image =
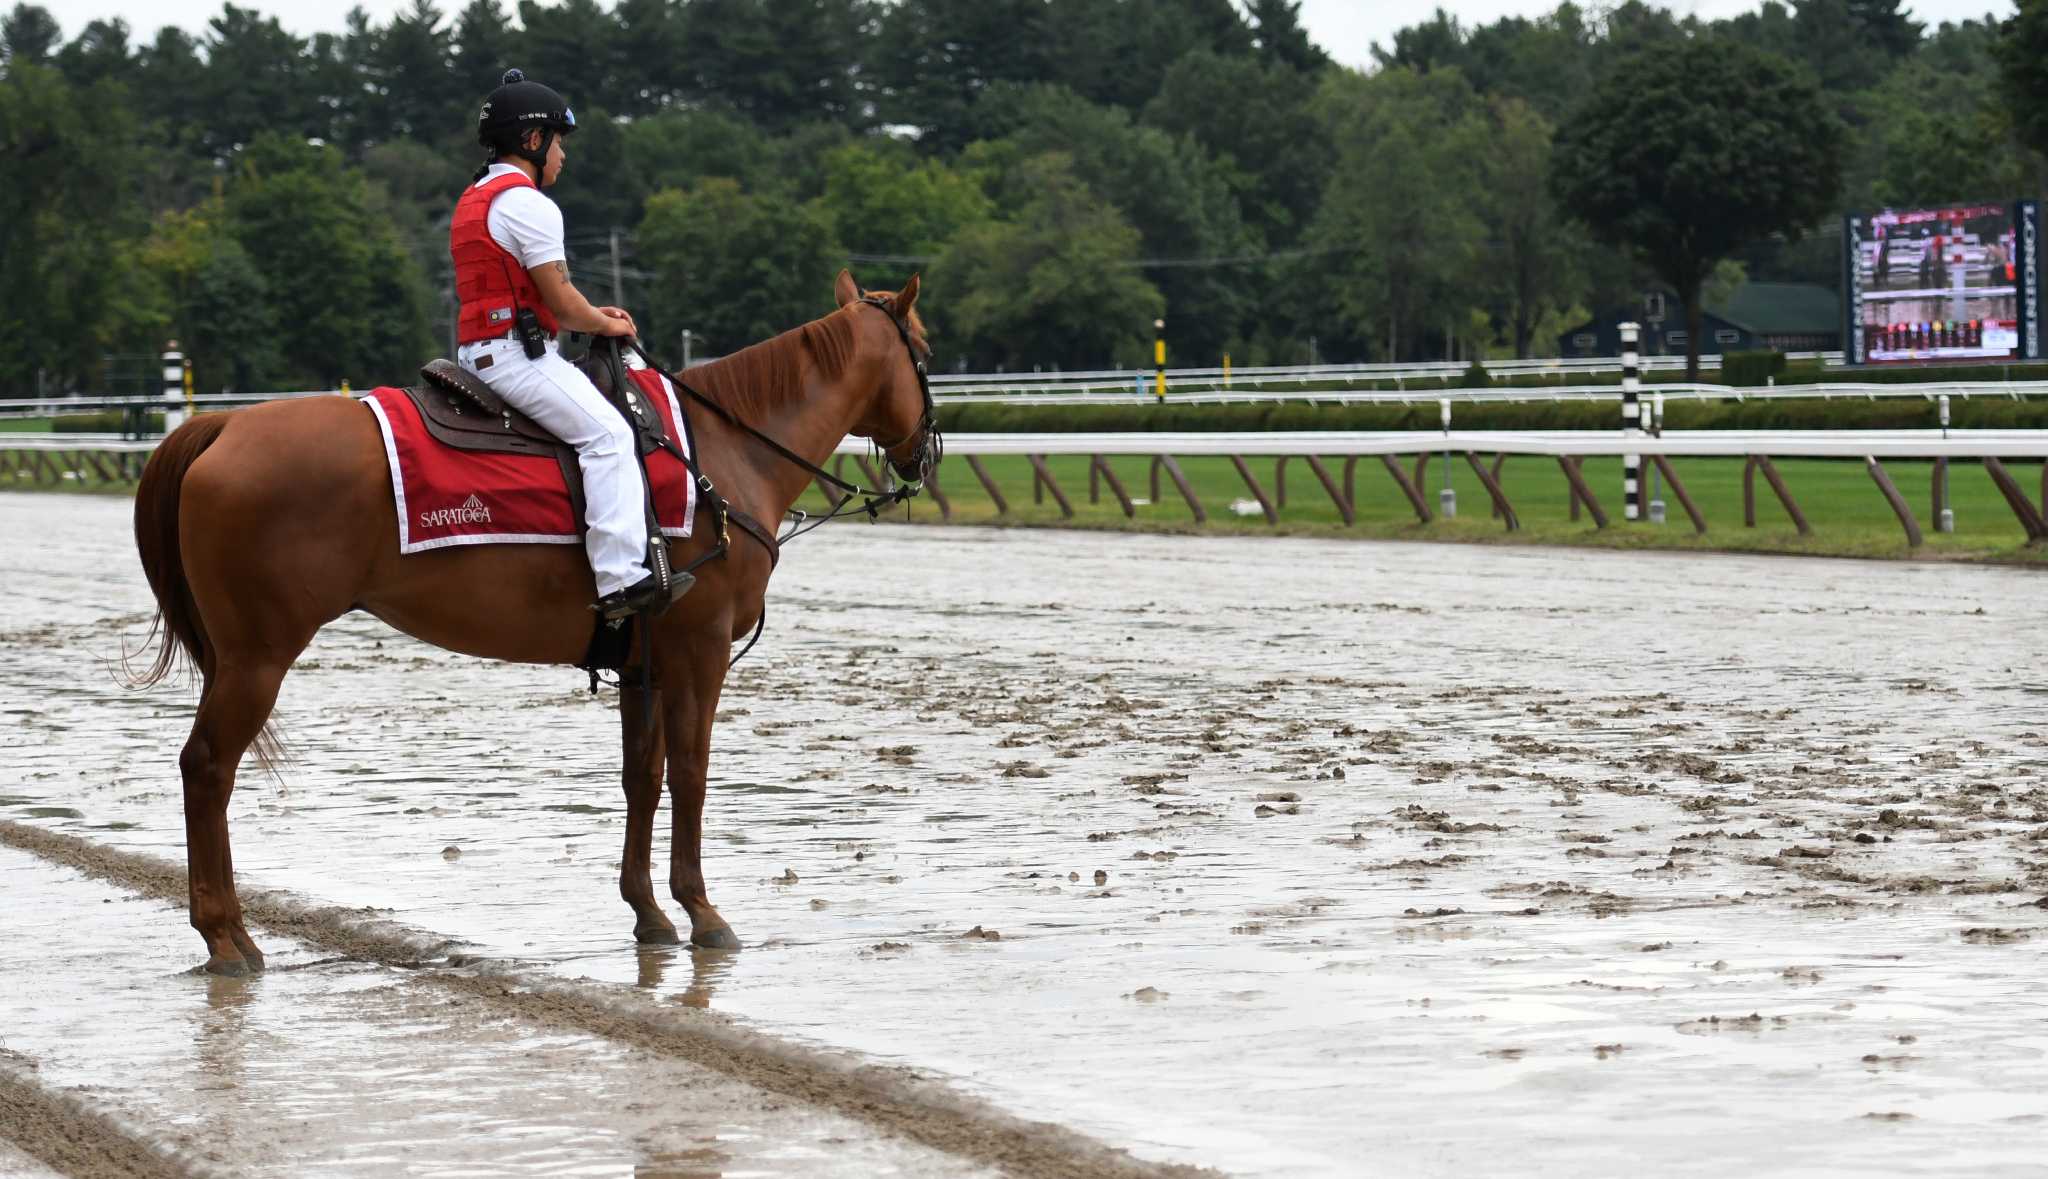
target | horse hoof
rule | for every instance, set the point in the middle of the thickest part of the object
(659, 935)
(720, 938)
(228, 967)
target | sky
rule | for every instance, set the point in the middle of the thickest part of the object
(1345, 28)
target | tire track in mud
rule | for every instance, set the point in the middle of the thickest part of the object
(894, 1100)
(61, 1131)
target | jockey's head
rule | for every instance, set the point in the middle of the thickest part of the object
(526, 121)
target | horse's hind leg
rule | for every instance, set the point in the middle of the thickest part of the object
(235, 704)
(644, 755)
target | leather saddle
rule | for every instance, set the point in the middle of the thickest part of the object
(462, 413)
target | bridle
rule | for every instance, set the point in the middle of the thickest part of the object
(919, 465)
(911, 471)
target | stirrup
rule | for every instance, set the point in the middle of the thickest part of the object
(645, 596)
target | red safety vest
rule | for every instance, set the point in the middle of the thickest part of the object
(490, 283)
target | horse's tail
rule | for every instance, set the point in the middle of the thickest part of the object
(176, 625)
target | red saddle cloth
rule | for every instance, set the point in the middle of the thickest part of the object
(450, 497)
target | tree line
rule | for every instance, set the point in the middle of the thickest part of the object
(1062, 171)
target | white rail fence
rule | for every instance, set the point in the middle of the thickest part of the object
(1319, 383)
(1568, 448)
(46, 459)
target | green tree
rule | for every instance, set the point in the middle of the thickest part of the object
(347, 297)
(1546, 62)
(1939, 128)
(1279, 35)
(1399, 232)
(1687, 150)
(1179, 198)
(734, 267)
(1055, 285)
(218, 304)
(576, 47)
(678, 148)
(652, 73)
(100, 53)
(484, 47)
(254, 82)
(933, 59)
(29, 35)
(780, 63)
(1116, 52)
(884, 201)
(408, 89)
(64, 222)
(1850, 44)
(1427, 45)
(1257, 117)
(2022, 54)
(1529, 269)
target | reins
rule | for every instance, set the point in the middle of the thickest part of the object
(924, 459)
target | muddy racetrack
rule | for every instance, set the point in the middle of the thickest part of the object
(1274, 856)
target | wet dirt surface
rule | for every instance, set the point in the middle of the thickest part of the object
(1273, 856)
(357, 1068)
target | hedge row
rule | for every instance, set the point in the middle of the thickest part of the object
(1892, 413)
(111, 421)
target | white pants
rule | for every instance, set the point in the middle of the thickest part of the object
(555, 394)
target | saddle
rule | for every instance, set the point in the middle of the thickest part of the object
(462, 413)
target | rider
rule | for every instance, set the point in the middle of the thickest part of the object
(512, 279)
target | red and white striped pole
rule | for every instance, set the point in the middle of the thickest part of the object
(1631, 422)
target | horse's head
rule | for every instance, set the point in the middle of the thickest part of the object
(900, 419)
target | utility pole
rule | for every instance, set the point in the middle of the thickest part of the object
(618, 275)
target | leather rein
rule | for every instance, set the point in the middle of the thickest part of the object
(913, 470)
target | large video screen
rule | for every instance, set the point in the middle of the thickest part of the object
(1940, 286)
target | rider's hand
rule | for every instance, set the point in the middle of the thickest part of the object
(617, 322)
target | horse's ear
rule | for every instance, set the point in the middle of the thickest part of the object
(907, 298)
(846, 290)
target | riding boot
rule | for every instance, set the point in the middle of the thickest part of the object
(645, 595)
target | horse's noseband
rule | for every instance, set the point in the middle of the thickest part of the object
(922, 461)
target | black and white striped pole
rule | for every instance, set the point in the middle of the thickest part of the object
(174, 387)
(1631, 424)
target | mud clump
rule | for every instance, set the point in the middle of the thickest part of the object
(1988, 936)
(1149, 995)
(983, 935)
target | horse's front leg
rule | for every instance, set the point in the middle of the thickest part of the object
(694, 684)
(640, 716)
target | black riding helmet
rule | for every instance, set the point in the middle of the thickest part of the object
(516, 107)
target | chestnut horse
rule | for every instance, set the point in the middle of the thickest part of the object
(259, 526)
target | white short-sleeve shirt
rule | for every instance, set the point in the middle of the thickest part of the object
(525, 222)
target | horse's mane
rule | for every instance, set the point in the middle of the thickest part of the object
(757, 381)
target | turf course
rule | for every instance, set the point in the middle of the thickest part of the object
(1848, 514)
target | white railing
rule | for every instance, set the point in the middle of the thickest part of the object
(1580, 443)
(1731, 443)
(1187, 383)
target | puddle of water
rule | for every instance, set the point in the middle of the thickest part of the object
(1493, 863)
(353, 1069)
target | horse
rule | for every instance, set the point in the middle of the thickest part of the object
(258, 526)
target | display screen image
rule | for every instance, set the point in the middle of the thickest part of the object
(1938, 285)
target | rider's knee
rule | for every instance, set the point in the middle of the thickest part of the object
(615, 439)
